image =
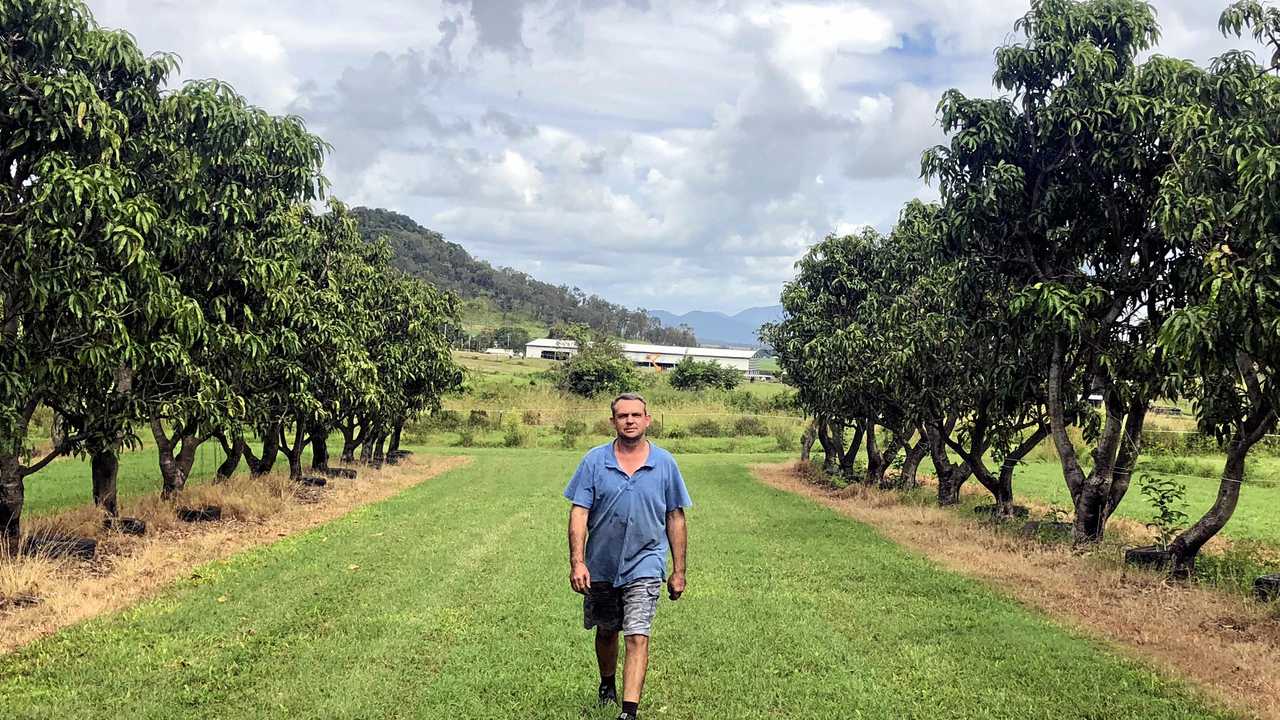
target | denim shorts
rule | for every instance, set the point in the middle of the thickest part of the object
(629, 608)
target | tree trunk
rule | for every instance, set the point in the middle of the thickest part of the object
(259, 466)
(911, 464)
(1127, 456)
(234, 451)
(830, 450)
(379, 455)
(293, 450)
(175, 468)
(1187, 545)
(11, 497)
(394, 445)
(878, 462)
(351, 439)
(12, 475)
(105, 468)
(807, 439)
(950, 477)
(1119, 443)
(1072, 474)
(849, 456)
(319, 448)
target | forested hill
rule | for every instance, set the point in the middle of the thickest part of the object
(448, 265)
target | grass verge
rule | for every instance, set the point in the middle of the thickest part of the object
(41, 595)
(451, 600)
(1222, 642)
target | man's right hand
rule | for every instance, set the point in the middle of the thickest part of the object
(580, 578)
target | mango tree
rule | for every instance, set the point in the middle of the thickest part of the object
(75, 272)
(233, 176)
(1221, 204)
(1054, 187)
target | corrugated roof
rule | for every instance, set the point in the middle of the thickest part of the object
(556, 344)
(690, 351)
(652, 349)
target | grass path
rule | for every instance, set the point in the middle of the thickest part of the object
(451, 601)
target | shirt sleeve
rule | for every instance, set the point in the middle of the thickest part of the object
(581, 489)
(677, 494)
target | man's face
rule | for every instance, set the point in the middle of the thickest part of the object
(630, 419)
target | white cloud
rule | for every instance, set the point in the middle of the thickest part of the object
(672, 154)
(807, 38)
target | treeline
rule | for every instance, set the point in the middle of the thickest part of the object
(163, 263)
(1107, 228)
(426, 254)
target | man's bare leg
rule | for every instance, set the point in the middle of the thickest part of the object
(607, 652)
(607, 659)
(633, 670)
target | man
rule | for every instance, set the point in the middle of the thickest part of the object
(628, 506)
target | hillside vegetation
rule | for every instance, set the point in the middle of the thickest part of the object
(447, 265)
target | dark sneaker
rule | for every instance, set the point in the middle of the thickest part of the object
(626, 716)
(607, 695)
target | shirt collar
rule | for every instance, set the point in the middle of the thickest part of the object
(611, 460)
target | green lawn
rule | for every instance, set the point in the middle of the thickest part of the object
(1255, 517)
(451, 601)
(66, 482)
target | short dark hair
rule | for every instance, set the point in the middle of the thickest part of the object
(613, 406)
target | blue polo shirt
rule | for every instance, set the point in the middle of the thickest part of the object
(627, 525)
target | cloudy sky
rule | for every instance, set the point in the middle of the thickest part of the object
(669, 154)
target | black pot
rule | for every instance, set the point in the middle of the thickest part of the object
(313, 481)
(208, 513)
(1150, 557)
(127, 525)
(59, 546)
(1267, 588)
(1019, 511)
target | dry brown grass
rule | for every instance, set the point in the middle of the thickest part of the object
(1226, 644)
(39, 595)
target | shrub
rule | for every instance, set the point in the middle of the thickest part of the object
(749, 425)
(531, 417)
(478, 418)
(571, 430)
(744, 401)
(706, 427)
(603, 426)
(784, 402)
(785, 439)
(676, 433)
(690, 374)
(515, 436)
(1165, 496)
(444, 420)
(598, 369)
(655, 429)
(467, 438)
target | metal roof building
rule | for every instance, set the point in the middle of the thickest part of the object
(655, 356)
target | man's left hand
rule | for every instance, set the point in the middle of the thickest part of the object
(675, 585)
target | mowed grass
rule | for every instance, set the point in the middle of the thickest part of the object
(451, 601)
(66, 482)
(1254, 519)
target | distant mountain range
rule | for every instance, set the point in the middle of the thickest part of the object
(717, 328)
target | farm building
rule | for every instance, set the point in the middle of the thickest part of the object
(654, 356)
(549, 349)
